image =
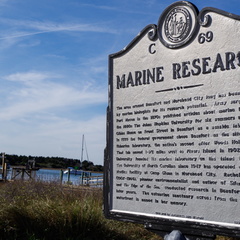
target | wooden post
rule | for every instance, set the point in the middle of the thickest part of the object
(22, 176)
(3, 165)
(68, 176)
(5, 172)
(61, 176)
(82, 176)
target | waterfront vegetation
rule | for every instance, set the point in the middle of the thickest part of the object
(52, 162)
(36, 210)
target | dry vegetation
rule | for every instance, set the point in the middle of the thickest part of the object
(41, 211)
(36, 210)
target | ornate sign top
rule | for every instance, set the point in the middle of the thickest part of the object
(177, 24)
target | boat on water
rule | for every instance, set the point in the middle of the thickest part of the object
(71, 170)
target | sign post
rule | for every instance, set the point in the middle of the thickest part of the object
(173, 134)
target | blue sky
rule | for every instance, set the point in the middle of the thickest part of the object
(54, 69)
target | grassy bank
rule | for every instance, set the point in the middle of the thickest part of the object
(36, 210)
(40, 211)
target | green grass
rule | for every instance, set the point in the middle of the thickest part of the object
(36, 210)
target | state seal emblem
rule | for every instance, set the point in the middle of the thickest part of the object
(177, 24)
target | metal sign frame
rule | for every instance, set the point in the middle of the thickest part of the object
(191, 228)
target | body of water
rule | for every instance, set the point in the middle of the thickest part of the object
(51, 175)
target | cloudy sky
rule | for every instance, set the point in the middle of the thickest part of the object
(54, 69)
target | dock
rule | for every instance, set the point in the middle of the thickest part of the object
(27, 172)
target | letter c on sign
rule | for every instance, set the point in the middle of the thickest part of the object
(152, 51)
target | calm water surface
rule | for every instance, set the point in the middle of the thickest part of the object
(48, 175)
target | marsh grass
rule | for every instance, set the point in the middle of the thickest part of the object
(36, 210)
(42, 211)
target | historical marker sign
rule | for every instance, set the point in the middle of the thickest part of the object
(173, 151)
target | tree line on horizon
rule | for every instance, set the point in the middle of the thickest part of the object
(52, 162)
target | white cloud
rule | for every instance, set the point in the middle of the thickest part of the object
(53, 136)
(33, 125)
(104, 7)
(24, 28)
(39, 93)
(28, 77)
